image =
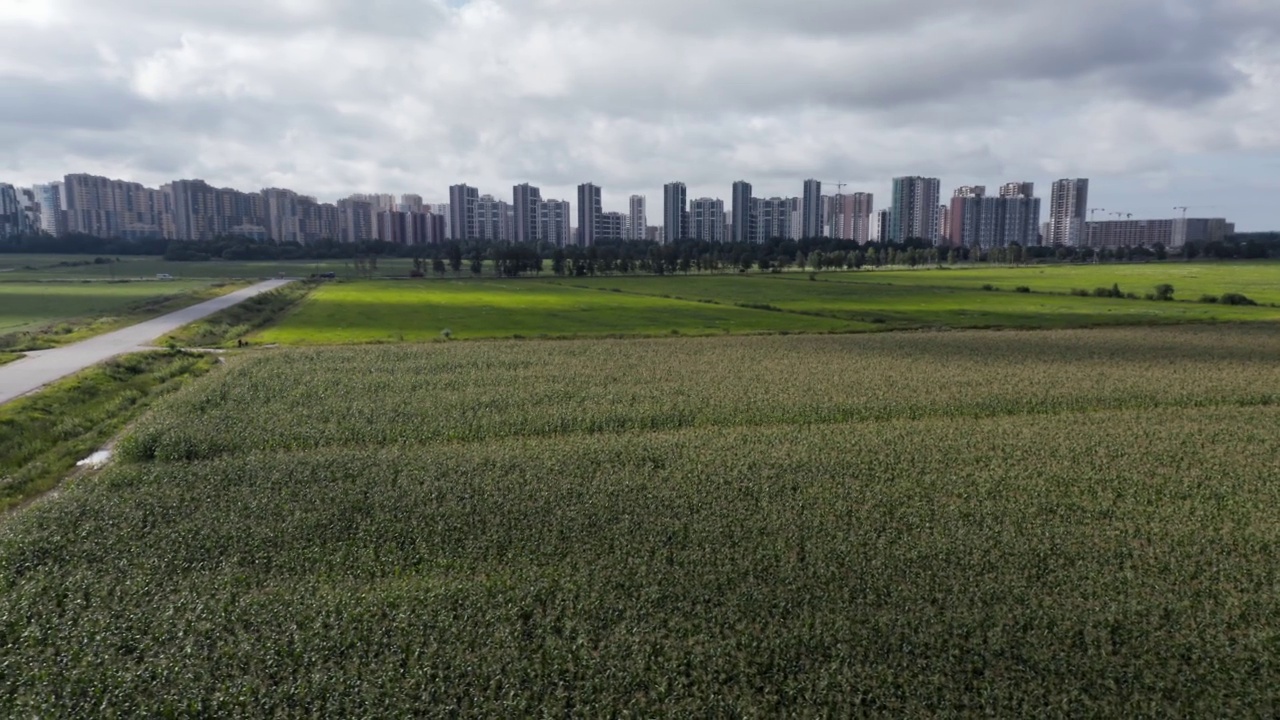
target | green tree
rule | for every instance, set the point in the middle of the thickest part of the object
(1164, 292)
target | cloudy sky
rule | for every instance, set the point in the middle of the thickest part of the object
(1159, 102)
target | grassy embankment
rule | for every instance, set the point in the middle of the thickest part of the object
(35, 316)
(385, 311)
(43, 435)
(912, 524)
(224, 327)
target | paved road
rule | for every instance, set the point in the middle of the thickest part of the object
(41, 368)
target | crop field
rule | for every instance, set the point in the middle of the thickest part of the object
(1011, 524)
(1258, 280)
(866, 297)
(27, 306)
(387, 311)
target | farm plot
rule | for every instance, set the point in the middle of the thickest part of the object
(363, 312)
(924, 299)
(30, 306)
(910, 524)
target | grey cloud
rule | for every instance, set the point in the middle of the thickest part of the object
(36, 107)
(335, 96)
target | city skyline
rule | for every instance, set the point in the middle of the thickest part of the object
(195, 210)
(328, 98)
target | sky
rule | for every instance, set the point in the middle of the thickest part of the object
(1161, 103)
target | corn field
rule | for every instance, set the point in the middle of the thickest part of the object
(1021, 524)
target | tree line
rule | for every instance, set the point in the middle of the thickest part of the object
(626, 257)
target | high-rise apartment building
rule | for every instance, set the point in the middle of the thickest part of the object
(464, 216)
(811, 220)
(979, 221)
(913, 214)
(282, 215)
(411, 203)
(52, 217)
(795, 231)
(850, 217)
(745, 221)
(1018, 189)
(525, 201)
(197, 212)
(884, 218)
(13, 219)
(590, 208)
(555, 220)
(637, 218)
(113, 208)
(675, 213)
(1068, 211)
(611, 226)
(706, 220)
(355, 220)
(495, 218)
(774, 219)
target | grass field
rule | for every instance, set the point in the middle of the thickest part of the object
(1259, 280)
(80, 267)
(1018, 525)
(388, 311)
(46, 314)
(43, 435)
(29, 306)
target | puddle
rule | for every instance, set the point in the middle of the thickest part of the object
(96, 460)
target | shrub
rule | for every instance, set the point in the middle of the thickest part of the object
(1236, 299)
(1209, 299)
(1164, 292)
(1022, 289)
(1078, 292)
(989, 287)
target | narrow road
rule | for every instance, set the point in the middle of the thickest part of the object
(45, 366)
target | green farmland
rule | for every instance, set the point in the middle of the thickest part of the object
(1259, 280)
(1072, 522)
(29, 306)
(387, 311)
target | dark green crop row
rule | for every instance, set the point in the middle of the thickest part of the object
(1012, 525)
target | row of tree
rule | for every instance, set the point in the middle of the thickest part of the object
(511, 259)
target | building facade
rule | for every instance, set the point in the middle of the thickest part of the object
(707, 220)
(1068, 211)
(745, 220)
(637, 218)
(913, 214)
(526, 201)
(13, 219)
(811, 210)
(675, 213)
(979, 221)
(590, 208)
(464, 213)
